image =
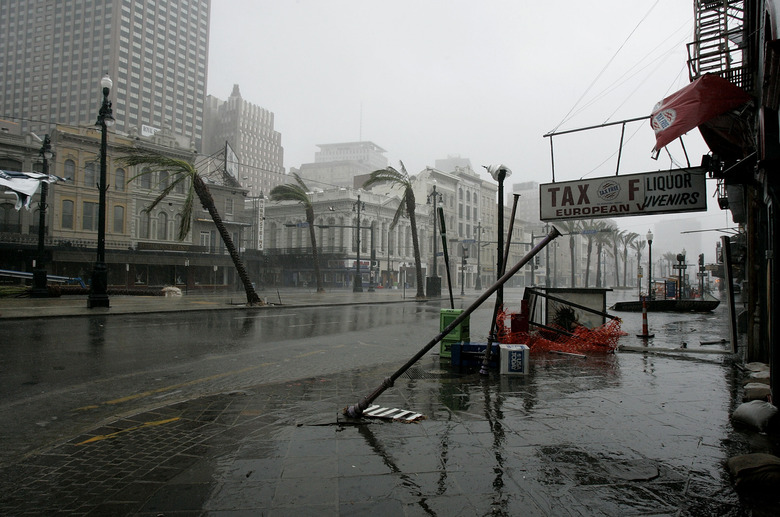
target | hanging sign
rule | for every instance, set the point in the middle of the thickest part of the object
(651, 193)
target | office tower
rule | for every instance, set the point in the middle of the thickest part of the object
(249, 129)
(54, 53)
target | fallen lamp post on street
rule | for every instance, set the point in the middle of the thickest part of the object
(357, 410)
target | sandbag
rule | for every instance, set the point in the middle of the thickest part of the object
(756, 391)
(759, 473)
(755, 413)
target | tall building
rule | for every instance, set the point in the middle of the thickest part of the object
(249, 129)
(54, 53)
(342, 165)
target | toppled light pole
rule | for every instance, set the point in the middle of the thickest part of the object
(356, 410)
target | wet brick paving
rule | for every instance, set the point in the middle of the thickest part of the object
(625, 434)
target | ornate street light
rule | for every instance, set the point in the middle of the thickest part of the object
(39, 288)
(649, 237)
(98, 289)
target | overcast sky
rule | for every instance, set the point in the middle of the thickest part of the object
(485, 80)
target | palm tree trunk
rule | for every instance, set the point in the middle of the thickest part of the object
(587, 263)
(598, 264)
(208, 203)
(616, 252)
(571, 249)
(315, 253)
(415, 245)
(625, 267)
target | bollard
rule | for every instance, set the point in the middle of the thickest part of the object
(644, 333)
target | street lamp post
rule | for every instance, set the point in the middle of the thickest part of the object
(98, 289)
(649, 237)
(478, 281)
(39, 289)
(357, 286)
(434, 285)
(464, 256)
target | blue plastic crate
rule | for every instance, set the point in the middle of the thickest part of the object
(472, 354)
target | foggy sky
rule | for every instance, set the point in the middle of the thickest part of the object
(481, 80)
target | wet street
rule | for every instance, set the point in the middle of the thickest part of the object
(622, 434)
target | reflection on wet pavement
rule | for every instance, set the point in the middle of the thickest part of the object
(624, 434)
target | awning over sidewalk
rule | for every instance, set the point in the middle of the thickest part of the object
(703, 99)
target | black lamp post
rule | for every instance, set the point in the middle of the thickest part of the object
(39, 289)
(357, 287)
(650, 294)
(98, 289)
(434, 285)
(464, 256)
(478, 281)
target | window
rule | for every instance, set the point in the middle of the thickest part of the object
(89, 217)
(205, 239)
(89, 175)
(119, 176)
(6, 211)
(163, 180)
(146, 178)
(143, 225)
(229, 206)
(67, 213)
(119, 219)
(162, 226)
(70, 169)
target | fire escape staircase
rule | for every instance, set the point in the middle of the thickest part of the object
(719, 47)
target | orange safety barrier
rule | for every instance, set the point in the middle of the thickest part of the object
(580, 340)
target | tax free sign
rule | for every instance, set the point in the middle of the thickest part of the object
(651, 193)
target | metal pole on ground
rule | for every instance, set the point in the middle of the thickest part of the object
(356, 410)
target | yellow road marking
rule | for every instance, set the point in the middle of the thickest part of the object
(124, 431)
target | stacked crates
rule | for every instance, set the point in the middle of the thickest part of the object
(458, 335)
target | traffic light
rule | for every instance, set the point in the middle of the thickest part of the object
(536, 262)
(701, 261)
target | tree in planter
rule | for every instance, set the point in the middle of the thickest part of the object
(181, 172)
(400, 179)
(299, 192)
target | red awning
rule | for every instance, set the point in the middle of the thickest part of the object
(706, 97)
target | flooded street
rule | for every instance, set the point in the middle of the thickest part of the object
(619, 434)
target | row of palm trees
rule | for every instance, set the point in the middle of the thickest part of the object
(600, 234)
(606, 238)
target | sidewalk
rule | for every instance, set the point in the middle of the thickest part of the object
(26, 307)
(625, 434)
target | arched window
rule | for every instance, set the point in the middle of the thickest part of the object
(119, 179)
(70, 169)
(162, 226)
(176, 225)
(89, 175)
(146, 178)
(119, 219)
(163, 180)
(67, 213)
(143, 225)
(179, 188)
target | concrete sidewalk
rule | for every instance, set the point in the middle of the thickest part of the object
(70, 305)
(624, 434)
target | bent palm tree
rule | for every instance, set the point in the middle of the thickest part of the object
(180, 171)
(299, 192)
(407, 205)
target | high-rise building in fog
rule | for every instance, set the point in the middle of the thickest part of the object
(54, 53)
(249, 129)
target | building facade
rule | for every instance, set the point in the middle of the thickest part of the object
(53, 55)
(249, 130)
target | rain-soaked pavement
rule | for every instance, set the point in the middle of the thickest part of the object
(622, 434)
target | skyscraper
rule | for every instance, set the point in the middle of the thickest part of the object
(54, 53)
(249, 129)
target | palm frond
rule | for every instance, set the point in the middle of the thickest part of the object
(290, 192)
(300, 182)
(186, 215)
